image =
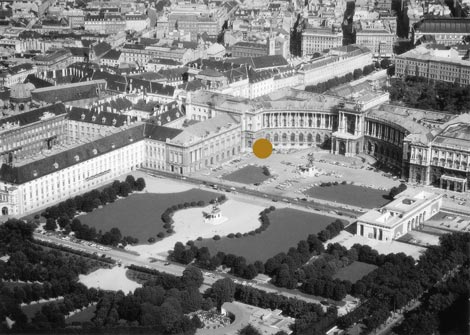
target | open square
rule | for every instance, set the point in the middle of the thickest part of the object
(250, 174)
(287, 228)
(350, 194)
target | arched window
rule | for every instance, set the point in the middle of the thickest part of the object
(276, 138)
(301, 137)
(309, 138)
(284, 138)
(292, 137)
(318, 138)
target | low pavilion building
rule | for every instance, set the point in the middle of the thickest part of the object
(408, 211)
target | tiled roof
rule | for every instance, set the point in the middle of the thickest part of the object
(193, 85)
(262, 61)
(112, 54)
(120, 104)
(173, 113)
(33, 115)
(37, 82)
(115, 82)
(70, 92)
(259, 76)
(92, 116)
(35, 169)
(199, 130)
(185, 45)
(20, 67)
(160, 133)
(212, 64)
(79, 52)
(152, 76)
(173, 73)
(444, 25)
(101, 48)
(152, 87)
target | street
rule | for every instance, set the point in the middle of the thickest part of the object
(126, 259)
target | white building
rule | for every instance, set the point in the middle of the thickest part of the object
(408, 211)
(339, 62)
(137, 21)
(60, 173)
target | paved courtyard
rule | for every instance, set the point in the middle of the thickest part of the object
(288, 182)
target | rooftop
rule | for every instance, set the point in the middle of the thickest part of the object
(455, 135)
(399, 210)
(200, 130)
(425, 54)
(65, 156)
(69, 92)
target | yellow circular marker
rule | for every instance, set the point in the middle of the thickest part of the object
(262, 148)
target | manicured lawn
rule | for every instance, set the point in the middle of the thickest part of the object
(31, 310)
(350, 194)
(83, 316)
(139, 215)
(249, 174)
(287, 228)
(355, 271)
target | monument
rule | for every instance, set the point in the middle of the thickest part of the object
(309, 170)
(215, 216)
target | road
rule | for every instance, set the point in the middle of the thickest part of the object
(126, 259)
(319, 206)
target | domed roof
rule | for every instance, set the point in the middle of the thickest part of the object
(21, 91)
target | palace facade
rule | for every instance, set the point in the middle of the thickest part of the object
(76, 151)
(426, 147)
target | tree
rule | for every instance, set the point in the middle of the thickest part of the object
(131, 181)
(50, 225)
(357, 74)
(140, 184)
(249, 330)
(124, 189)
(67, 229)
(76, 224)
(223, 290)
(112, 194)
(192, 277)
(385, 63)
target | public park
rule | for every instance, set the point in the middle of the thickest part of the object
(139, 215)
(287, 227)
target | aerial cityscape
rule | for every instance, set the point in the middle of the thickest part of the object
(235, 167)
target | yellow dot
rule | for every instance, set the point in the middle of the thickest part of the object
(262, 148)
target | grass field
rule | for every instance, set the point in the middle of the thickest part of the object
(249, 174)
(350, 194)
(287, 228)
(31, 309)
(86, 315)
(139, 215)
(354, 272)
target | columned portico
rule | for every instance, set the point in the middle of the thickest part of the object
(348, 140)
(452, 183)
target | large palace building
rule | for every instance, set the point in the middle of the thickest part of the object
(428, 148)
